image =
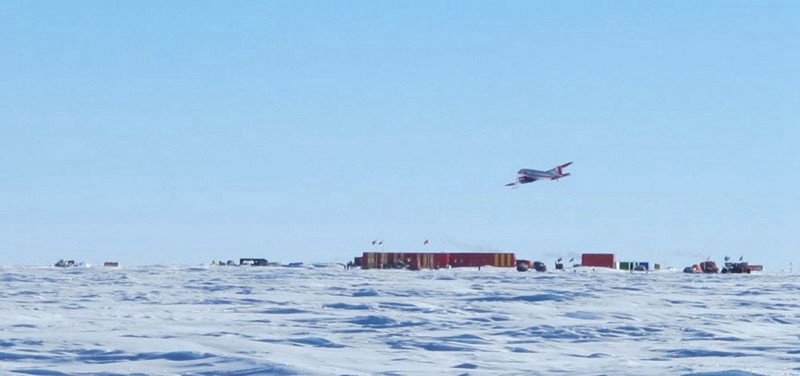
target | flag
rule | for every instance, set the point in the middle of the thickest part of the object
(374, 241)
(380, 242)
(425, 242)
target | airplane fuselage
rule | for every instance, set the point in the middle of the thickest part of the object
(536, 174)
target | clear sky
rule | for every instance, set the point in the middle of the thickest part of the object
(177, 132)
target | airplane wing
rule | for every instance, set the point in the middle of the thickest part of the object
(521, 180)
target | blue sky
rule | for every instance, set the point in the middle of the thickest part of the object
(155, 132)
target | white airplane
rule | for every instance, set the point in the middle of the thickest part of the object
(529, 176)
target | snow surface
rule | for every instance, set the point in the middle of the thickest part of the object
(331, 321)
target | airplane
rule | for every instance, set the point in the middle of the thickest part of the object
(529, 176)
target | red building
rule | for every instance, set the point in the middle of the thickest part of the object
(482, 259)
(600, 260)
(414, 260)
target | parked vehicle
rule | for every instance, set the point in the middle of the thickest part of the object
(66, 263)
(703, 267)
(736, 268)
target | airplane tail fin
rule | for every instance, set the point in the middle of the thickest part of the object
(560, 169)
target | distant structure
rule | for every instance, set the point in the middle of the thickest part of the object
(427, 260)
(599, 260)
(253, 261)
(638, 266)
